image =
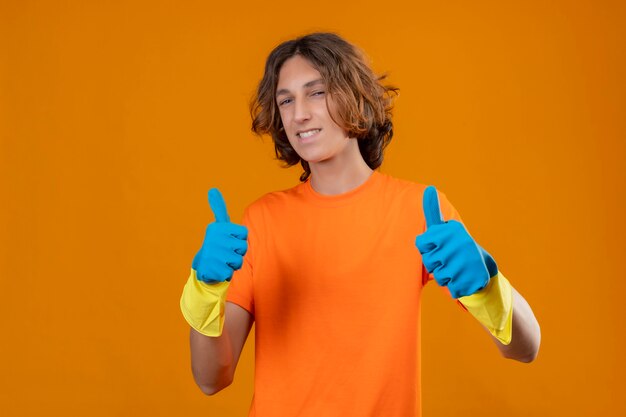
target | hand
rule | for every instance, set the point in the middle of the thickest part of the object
(224, 245)
(450, 253)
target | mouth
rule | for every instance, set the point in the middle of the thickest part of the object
(308, 134)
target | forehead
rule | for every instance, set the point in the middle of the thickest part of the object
(295, 73)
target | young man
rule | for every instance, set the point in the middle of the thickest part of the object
(332, 269)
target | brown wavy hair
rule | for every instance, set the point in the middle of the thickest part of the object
(363, 103)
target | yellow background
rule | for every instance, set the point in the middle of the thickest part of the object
(117, 117)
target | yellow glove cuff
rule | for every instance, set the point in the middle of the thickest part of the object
(493, 307)
(203, 305)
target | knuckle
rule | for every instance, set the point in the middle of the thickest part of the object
(224, 275)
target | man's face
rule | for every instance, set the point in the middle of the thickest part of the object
(301, 97)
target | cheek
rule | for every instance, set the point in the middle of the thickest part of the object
(284, 115)
(332, 109)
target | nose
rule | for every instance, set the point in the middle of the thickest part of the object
(301, 111)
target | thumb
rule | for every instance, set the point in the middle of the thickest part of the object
(430, 202)
(218, 206)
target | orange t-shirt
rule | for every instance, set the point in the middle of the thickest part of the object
(334, 284)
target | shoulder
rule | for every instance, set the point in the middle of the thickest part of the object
(400, 183)
(401, 188)
(412, 193)
(275, 200)
(403, 185)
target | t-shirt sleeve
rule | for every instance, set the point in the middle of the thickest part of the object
(241, 288)
(449, 213)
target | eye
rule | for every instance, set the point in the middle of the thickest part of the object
(285, 101)
(318, 93)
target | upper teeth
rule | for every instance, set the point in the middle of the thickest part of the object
(308, 133)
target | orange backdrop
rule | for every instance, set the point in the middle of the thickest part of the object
(117, 117)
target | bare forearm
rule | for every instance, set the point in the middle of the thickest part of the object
(526, 336)
(211, 361)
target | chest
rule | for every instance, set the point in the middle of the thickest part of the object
(343, 250)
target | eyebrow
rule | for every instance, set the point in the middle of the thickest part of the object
(307, 85)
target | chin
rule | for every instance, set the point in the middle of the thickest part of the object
(308, 157)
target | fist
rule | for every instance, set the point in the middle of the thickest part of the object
(450, 253)
(224, 245)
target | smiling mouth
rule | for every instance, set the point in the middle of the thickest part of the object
(308, 133)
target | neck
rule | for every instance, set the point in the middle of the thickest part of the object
(340, 174)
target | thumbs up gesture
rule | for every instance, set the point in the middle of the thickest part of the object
(450, 253)
(224, 245)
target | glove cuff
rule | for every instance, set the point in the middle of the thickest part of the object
(203, 305)
(493, 307)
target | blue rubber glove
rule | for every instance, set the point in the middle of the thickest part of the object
(224, 245)
(450, 253)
